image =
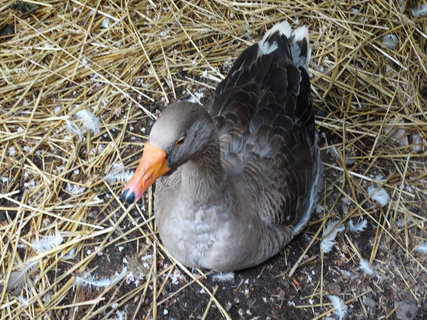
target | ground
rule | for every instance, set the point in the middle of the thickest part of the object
(80, 86)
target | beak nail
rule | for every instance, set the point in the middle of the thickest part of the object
(128, 196)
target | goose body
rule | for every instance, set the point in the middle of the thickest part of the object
(236, 181)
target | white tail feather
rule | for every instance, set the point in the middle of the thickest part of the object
(297, 37)
(265, 47)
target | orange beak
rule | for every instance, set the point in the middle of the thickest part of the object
(152, 166)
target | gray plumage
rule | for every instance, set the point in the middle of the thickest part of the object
(244, 180)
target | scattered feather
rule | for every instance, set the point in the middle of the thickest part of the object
(70, 254)
(358, 227)
(417, 143)
(339, 305)
(329, 234)
(91, 282)
(348, 274)
(12, 151)
(23, 301)
(401, 222)
(47, 243)
(422, 248)
(121, 315)
(101, 283)
(17, 278)
(334, 152)
(380, 178)
(105, 23)
(72, 128)
(118, 173)
(421, 11)
(130, 278)
(379, 195)
(226, 276)
(89, 120)
(176, 277)
(195, 97)
(406, 310)
(370, 303)
(398, 134)
(368, 268)
(74, 188)
(390, 41)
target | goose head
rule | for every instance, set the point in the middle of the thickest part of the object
(182, 131)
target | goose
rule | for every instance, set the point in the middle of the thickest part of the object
(238, 179)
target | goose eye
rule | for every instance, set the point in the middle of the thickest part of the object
(180, 141)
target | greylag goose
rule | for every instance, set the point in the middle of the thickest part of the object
(236, 181)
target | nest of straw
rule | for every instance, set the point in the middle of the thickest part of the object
(82, 82)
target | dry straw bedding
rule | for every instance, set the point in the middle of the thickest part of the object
(82, 81)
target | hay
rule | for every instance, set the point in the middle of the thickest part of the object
(123, 61)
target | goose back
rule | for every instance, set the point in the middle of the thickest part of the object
(265, 121)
